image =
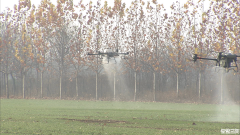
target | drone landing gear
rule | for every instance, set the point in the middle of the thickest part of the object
(114, 60)
(227, 69)
(108, 59)
(234, 68)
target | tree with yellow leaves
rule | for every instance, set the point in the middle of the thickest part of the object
(6, 47)
(23, 43)
(94, 40)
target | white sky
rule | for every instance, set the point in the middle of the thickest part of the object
(10, 3)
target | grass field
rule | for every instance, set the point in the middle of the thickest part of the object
(22, 116)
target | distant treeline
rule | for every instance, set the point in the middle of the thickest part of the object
(43, 51)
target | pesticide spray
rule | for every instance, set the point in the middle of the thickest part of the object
(113, 72)
(227, 110)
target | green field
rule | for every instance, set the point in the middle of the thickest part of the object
(22, 116)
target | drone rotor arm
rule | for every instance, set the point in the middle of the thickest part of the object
(217, 62)
(100, 53)
(124, 53)
(206, 58)
(92, 54)
(196, 57)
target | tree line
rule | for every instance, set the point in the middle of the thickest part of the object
(43, 50)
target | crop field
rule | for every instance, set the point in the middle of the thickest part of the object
(26, 116)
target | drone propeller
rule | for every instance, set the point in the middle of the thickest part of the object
(198, 55)
(203, 56)
(195, 55)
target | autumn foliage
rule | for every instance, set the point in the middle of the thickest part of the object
(53, 41)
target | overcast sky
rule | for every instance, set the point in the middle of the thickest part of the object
(10, 3)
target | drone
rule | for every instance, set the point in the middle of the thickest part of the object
(225, 60)
(109, 53)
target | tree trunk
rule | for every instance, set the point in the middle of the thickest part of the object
(135, 92)
(177, 86)
(154, 88)
(23, 84)
(96, 86)
(7, 91)
(36, 83)
(114, 86)
(197, 82)
(41, 84)
(199, 86)
(48, 87)
(60, 85)
(14, 84)
(77, 85)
